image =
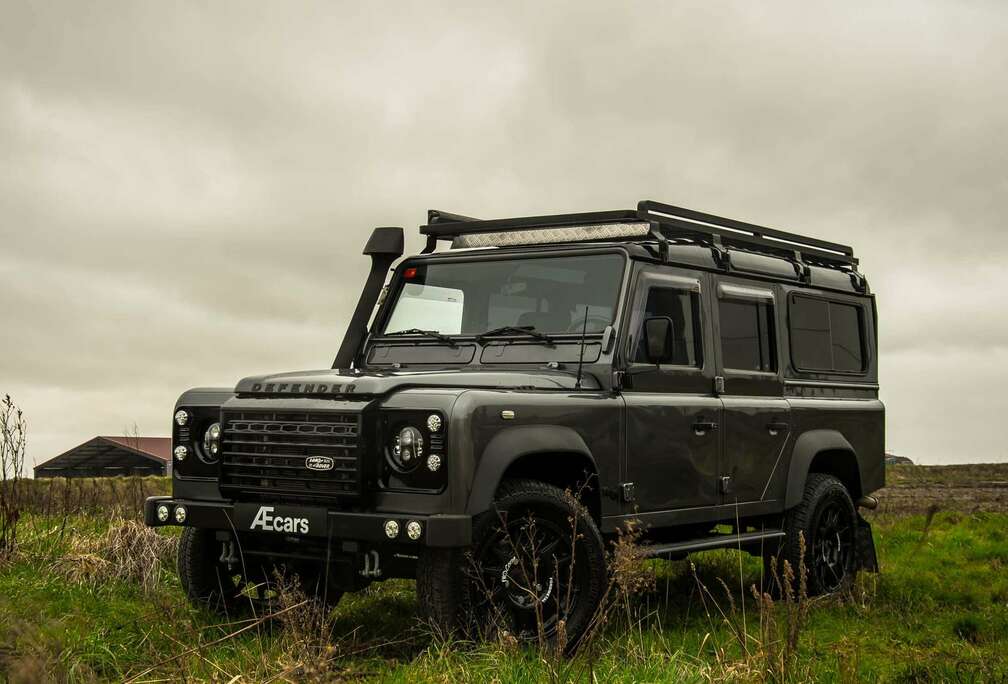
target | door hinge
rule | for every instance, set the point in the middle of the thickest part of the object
(627, 492)
(718, 384)
(724, 484)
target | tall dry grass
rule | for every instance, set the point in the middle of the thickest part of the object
(127, 551)
(13, 439)
(103, 496)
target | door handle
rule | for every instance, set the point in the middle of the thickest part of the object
(701, 427)
(774, 428)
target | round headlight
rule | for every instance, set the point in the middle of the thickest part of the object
(180, 515)
(211, 440)
(162, 513)
(181, 417)
(434, 422)
(407, 450)
(181, 452)
(433, 463)
(391, 529)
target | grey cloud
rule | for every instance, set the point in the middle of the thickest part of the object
(184, 188)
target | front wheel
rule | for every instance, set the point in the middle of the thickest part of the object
(827, 522)
(240, 586)
(536, 567)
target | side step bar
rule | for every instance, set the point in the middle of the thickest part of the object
(708, 543)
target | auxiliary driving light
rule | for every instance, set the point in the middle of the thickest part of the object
(181, 417)
(391, 529)
(433, 463)
(181, 452)
(180, 514)
(434, 422)
(162, 513)
(414, 529)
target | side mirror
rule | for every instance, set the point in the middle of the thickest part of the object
(658, 335)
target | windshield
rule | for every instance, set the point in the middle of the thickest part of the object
(548, 294)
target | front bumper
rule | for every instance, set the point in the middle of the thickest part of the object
(440, 530)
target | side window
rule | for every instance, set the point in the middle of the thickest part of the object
(810, 334)
(747, 335)
(683, 308)
(826, 336)
(845, 326)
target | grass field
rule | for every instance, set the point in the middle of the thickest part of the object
(90, 596)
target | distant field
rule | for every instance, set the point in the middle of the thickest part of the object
(964, 488)
(91, 597)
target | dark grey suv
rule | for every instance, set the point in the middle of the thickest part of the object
(514, 401)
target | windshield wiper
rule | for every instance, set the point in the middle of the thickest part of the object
(428, 333)
(515, 330)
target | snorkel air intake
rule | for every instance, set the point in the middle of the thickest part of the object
(384, 247)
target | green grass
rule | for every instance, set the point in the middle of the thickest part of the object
(938, 612)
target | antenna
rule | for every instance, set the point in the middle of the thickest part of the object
(584, 332)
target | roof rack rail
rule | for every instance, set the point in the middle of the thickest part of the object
(687, 222)
(652, 220)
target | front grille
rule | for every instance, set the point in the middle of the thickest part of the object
(264, 455)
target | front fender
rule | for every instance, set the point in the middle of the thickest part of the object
(510, 444)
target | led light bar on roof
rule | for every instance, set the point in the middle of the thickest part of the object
(543, 236)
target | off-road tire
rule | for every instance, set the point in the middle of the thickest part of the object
(444, 584)
(201, 574)
(822, 493)
(208, 584)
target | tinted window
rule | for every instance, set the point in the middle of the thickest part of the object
(810, 335)
(826, 336)
(845, 328)
(684, 310)
(747, 335)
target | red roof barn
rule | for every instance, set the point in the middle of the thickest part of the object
(109, 456)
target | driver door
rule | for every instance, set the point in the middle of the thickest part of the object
(673, 448)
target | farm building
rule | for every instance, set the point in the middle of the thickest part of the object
(893, 459)
(110, 456)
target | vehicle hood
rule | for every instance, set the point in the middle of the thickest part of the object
(331, 382)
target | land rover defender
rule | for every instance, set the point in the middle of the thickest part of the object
(516, 400)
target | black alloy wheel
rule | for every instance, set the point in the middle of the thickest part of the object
(832, 548)
(537, 560)
(524, 577)
(826, 520)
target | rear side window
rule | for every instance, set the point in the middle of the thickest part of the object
(846, 336)
(747, 335)
(826, 336)
(684, 309)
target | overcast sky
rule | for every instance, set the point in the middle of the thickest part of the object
(185, 187)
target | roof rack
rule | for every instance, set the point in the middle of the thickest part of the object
(651, 221)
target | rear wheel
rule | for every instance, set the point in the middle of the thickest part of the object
(537, 562)
(827, 521)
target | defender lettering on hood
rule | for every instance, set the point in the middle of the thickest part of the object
(301, 388)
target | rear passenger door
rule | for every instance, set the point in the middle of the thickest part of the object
(756, 425)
